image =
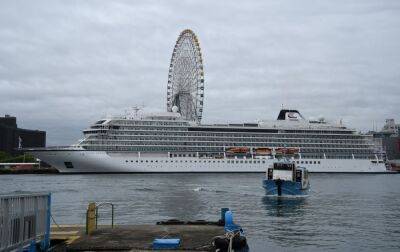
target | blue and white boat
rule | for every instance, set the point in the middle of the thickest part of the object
(284, 178)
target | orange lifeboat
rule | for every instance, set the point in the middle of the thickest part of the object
(287, 151)
(263, 151)
(237, 150)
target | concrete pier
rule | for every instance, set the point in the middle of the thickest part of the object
(135, 237)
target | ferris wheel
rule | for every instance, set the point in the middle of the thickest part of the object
(185, 89)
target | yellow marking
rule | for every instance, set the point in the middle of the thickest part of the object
(72, 239)
(64, 232)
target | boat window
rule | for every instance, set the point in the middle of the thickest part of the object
(126, 161)
(319, 162)
(315, 162)
(137, 161)
(302, 162)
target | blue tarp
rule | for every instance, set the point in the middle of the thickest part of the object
(166, 243)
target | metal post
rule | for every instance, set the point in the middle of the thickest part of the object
(46, 241)
(97, 215)
(112, 215)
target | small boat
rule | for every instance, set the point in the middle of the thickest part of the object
(284, 178)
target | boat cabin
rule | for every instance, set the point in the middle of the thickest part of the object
(288, 171)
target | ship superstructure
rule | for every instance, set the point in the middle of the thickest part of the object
(166, 143)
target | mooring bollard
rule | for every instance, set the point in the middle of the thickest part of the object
(91, 218)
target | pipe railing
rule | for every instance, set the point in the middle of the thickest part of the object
(24, 220)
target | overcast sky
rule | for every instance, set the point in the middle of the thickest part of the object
(65, 64)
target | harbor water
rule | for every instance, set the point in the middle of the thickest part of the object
(343, 212)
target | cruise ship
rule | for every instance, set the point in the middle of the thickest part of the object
(165, 142)
(177, 141)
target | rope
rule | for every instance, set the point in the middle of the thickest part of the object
(58, 226)
(230, 236)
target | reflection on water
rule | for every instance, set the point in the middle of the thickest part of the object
(284, 206)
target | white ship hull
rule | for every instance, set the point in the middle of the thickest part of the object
(80, 161)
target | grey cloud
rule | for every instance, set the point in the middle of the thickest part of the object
(65, 64)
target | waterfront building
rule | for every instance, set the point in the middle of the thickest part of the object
(13, 138)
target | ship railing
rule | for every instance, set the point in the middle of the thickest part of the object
(24, 220)
(70, 147)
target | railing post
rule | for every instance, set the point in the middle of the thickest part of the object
(112, 215)
(46, 241)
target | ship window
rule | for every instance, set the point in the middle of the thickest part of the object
(298, 162)
(126, 161)
(319, 162)
(263, 162)
(306, 162)
(68, 165)
(137, 161)
(141, 161)
(131, 160)
(315, 162)
(302, 162)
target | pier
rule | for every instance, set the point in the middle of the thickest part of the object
(134, 237)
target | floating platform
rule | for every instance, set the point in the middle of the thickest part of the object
(134, 237)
